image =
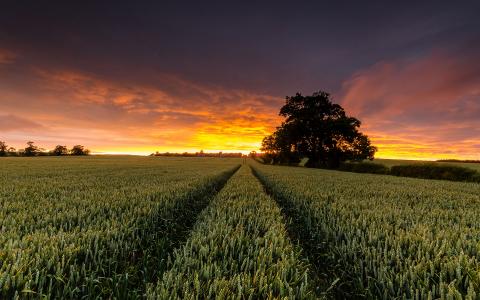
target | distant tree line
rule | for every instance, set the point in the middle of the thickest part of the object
(199, 154)
(32, 150)
(470, 161)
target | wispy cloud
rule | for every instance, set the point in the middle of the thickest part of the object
(112, 116)
(425, 108)
(11, 122)
(6, 56)
(428, 107)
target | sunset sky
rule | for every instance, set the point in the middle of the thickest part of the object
(190, 75)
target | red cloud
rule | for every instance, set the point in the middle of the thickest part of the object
(107, 115)
(430, 107)
(15, 123)
(6, 56)
(425, 108)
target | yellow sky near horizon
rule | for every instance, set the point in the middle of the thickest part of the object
(62, 106)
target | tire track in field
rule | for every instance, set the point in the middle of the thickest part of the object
(295, 230)
(152, 260)
(184, 219)
(238, 248)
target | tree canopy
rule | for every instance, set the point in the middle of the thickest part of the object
(60, 150)
(31, 149)
(3, 148)
(79, 150)
(318, 129)
(34, 150)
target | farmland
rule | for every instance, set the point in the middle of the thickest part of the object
(196, 228)
(238, 249)
(384, 237)
(96, 226)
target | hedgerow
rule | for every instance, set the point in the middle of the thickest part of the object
(364, 167)
(434, 171)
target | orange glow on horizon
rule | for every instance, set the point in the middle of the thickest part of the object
(109, 117)
(214, 143)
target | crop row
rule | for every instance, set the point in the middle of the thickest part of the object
(238, 249)
(384, 237)
(96, 227)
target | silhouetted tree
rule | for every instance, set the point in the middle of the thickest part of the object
(279, 148)
(31, 149)
(3, 148)
(79, 150)
(12, 151)
(316, 128)
(60, 150)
